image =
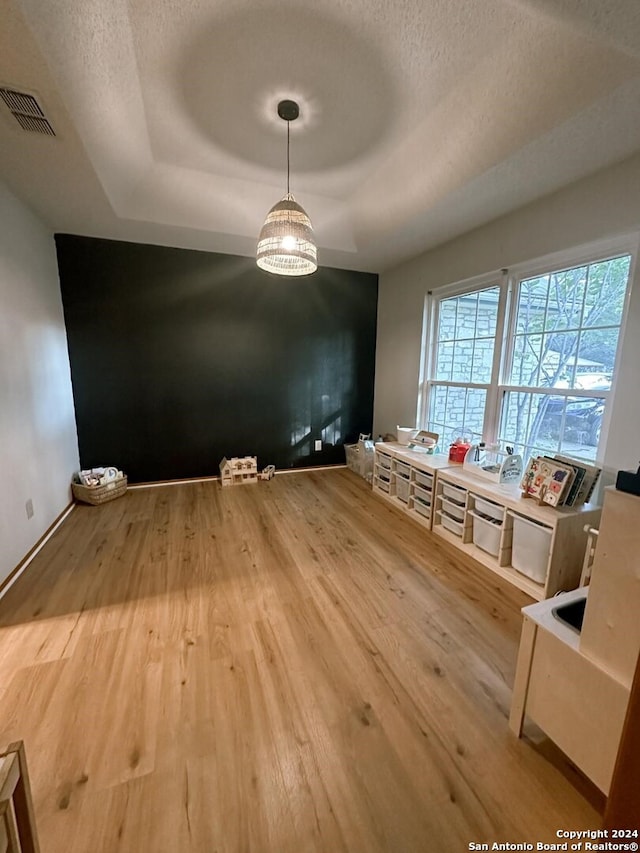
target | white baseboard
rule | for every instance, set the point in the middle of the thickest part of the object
(22, 565)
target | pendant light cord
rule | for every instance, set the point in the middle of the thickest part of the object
(288, 126)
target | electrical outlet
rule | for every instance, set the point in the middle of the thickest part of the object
(318, 444)
(29, 508)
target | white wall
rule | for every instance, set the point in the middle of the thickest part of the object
(38, 443)
(604, 205)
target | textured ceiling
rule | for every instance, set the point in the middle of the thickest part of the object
(419, 119)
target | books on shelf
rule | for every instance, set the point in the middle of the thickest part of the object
(547, 480)
(559, 480)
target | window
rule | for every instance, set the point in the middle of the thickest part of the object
(529, 361)
(463, 362)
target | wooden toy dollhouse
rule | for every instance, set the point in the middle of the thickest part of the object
(238, 470)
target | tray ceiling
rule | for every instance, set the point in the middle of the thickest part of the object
(420, 119)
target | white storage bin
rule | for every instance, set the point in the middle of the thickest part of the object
(530, 548)
(383, 474)
(423, 479)
(454, 494)
(403, 469)
(451, 524)
(453, 510)
(485, 507)
(486, 534)
(383, 460)
(384, 485)
(422, 508)
(423, 495)
(405, 434)
(402, 489)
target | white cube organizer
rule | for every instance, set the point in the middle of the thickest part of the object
(530, 548)
(540, 559)
(412, 476)
(486, 533)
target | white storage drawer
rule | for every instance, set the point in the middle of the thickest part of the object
(488, 508)
(453, 510)
(486, 534)
(530, 548)
(454, 494)
(383, 460)
(403, 470)
(422, 495)
(385, 485)
(383, 474)
(402, 489)
(451, 524)
(423, 479)
(422, 508)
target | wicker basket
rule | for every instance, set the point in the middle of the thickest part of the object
(96, 495)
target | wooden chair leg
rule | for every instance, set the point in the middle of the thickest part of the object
(17, 804)
(10, 827)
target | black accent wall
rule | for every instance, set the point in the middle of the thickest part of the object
(179, 358)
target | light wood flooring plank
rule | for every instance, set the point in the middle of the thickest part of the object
(287, 667)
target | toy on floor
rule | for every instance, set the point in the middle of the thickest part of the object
(239, 470)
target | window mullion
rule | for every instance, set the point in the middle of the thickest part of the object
(452, 383)
(556, 392)
(508, 341)
(492, 405)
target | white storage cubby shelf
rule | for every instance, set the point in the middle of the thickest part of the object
(406, 478)
(537, 548)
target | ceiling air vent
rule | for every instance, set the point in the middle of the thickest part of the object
(26, 111)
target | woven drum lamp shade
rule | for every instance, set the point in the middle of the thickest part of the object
(286, 245)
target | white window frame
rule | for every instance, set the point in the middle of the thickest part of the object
(430, 341)
(509, 283)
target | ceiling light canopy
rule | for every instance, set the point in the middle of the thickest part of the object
(286, 245)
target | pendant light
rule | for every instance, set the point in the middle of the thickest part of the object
(286, 245)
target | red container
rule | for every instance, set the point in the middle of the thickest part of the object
(457, 452)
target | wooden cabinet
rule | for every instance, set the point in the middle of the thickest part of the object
(611, 633)
(407, 479)
(537, 548)
(578, 705)
(575, 684)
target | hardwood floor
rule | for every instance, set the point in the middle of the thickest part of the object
(287, 666)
